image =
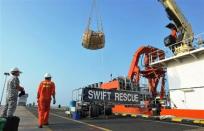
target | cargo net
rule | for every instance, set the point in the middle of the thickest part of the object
(91, 39)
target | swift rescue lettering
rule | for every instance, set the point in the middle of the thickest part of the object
(95, 94)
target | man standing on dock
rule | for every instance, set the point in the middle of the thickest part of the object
(46, 90)
(13, 87)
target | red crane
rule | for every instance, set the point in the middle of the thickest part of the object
(153, 74)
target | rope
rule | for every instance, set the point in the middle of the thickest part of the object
(90, 16)
(97, 14)
(98, 17)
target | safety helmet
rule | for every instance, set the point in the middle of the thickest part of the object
(47, 75)
(15, 69)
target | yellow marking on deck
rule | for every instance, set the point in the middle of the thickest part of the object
(91, 125)
(133, 115)
(202, 122)
(116, 114)
(124, 114)
(196, 121)
(145, 116)
(177, 119)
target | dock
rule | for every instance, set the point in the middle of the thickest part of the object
(58, 121)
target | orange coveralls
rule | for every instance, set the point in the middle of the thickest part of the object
(45, 90)
(174, 33)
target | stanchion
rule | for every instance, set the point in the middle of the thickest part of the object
(6, 75)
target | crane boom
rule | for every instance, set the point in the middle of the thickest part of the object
(185, 37)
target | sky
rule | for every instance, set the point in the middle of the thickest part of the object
(40, 36)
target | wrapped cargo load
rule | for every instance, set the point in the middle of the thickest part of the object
(92, 39)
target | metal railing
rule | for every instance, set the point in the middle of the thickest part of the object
(197, 43)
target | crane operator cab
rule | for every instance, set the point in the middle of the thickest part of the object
(171, 39)
(181, 37)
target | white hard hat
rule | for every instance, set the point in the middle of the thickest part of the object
(15, 69)
(47, 75)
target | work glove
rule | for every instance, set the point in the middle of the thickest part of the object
(22, 89)
(54, 101)
(21, 93)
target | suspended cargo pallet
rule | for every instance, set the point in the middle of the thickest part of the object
(94, 39)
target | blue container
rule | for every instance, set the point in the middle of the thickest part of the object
(76, 115)
(73, 104)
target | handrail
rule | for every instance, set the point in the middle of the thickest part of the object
(196, 44)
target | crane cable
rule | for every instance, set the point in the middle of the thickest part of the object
(99, 24)
(98, 17)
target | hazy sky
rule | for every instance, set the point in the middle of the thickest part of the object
(41, 36)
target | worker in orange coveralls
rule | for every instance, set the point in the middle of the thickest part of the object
(173, 35)
(46, 89)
